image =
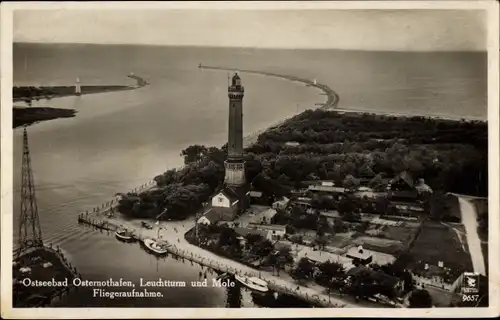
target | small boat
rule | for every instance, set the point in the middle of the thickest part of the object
(155, 246)
(124, 235)
(253, 283)
(146, 225)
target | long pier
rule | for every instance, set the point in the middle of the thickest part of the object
(331, 102)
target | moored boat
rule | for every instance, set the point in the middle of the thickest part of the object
(253, 283)
(155, 247)
(124, 235)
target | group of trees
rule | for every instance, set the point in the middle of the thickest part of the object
(226, 242)
(179, 193)
(449, 155)
(366, 282)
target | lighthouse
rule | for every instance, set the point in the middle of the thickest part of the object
(235, 164)
(78, 90)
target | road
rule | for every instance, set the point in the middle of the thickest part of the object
(469, 220)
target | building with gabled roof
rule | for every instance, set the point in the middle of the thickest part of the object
(214, 215)
(229, 198)
(243, 232)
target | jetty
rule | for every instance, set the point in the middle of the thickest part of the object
(331, 102)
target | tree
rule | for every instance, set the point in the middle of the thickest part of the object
(290, 229)
(252, 239)
(285, 255)
(262, 248)
(350, 182)
(304, 269)
(377, 183)
(346, 206)
(332, 269)
(420, 299)
(193, 153)
(228, 236)
(366, 170)
(321, 241)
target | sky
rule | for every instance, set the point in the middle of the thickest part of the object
(390, 30)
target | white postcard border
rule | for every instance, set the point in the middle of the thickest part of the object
(7, 311)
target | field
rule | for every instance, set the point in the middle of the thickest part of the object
(437, 242)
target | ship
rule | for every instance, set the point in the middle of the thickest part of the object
(253, 283)
(124, 235)
(155, 247)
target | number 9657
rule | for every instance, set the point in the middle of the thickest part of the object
(470, 297)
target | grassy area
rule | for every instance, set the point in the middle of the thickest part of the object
(339, 240)
(437, 242)
(403, 234)
(388, 246)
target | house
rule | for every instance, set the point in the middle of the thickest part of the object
(277, 231)
(213, 215)
(402, 187)
(407, 207)
(319, 257)
(438, 276)
(292, 144)
(359, 255)
(422, 188)
(302, 202)
(264, 217)
(229, 199)
(328, 189)
(243, 232)
(281, 204)
(257, 197)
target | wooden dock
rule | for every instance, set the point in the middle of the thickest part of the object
(216, 265)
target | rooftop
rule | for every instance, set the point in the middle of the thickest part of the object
(323, 256)
(245, 231)
(213, 215)
(231, 194)
(327, 188)
(276, 227)
(359, 252)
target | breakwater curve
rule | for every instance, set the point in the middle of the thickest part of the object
(332, 97)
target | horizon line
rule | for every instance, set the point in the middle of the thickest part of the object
(242, 47)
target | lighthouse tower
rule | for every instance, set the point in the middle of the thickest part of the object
(235, 164)
(78, 90)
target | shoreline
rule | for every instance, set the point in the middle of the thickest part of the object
(29, 93)
(27, 115)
